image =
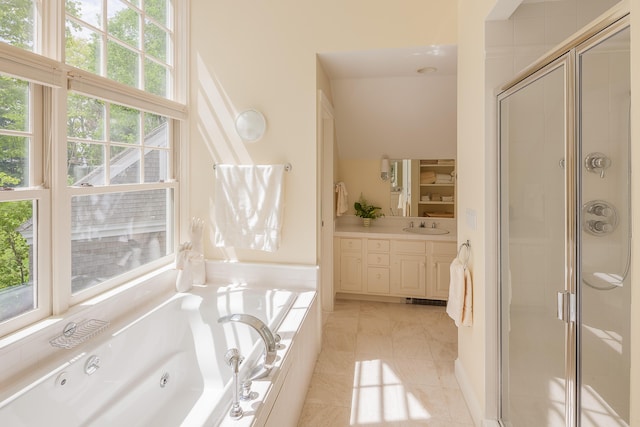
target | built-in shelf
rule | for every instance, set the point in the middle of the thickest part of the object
(427, 206)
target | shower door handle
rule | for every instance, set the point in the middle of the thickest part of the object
(566, 306)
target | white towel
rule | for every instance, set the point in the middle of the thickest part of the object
(443, 178)
(342, 204)
(248, 206)
(459, 306)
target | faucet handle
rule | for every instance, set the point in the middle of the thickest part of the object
(233, 358)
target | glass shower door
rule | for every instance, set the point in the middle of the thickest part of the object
(534, 228)
(604, 291)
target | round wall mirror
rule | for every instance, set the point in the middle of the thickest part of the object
(250, 125)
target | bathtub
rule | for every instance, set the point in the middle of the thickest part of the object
(164, 365)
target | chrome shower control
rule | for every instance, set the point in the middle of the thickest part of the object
(599, 217)
(597, 163)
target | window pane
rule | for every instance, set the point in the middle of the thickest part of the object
(124, 23)
(122, 64)
(157, 9)
(17, 281)
(90, 11)
(83, 47)
(156, 165)
(14, 104)
(14, 161)
(155, 41)
(17, 23)
(85, 163)
(124, 165)
(85, 118)
(124, 125)
(115, 233)
(156, 130)
(156, 77)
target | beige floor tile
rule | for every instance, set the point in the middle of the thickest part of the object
(412, 371)
(385, 364)
(443, 350)
(336, 362)
(414, 347)
(373, 325)
(377, 345)
(319, 415)
(330, 389)
(334, 339)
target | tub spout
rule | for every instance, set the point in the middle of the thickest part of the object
(270, 340)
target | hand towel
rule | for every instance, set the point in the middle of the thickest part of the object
(248, 206)
(443, 178)
(427, 177)
(342, 202)
(459, 305)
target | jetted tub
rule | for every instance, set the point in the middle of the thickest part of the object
(161, 367)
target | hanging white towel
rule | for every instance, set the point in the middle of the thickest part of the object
(459, 306)
(342, 204)
(248, 206)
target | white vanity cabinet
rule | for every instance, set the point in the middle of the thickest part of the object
(377, 278)
(351, 255)
(408, 268)
(442, 253)
(394, 267)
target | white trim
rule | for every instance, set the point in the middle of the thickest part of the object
(326, 214)
(30, 66)
(469, 396)
(106, 89)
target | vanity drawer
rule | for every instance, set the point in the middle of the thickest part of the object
(378, 280)
(375, 245)
(378, 259)
(409, 246)
(351, 244)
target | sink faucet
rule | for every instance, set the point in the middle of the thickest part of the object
(270, 340)
(434, 225)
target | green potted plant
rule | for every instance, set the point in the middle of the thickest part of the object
(366, 211)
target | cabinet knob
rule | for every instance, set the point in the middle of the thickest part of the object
(379, 259)
(378, 276)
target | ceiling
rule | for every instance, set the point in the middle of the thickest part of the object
(384, 106)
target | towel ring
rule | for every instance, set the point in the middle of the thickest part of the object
(466, 245)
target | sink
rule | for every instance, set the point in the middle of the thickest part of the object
(425, 230)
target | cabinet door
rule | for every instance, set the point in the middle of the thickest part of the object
(408, 275)
(378, 280)
(439, 277)
(351, 271)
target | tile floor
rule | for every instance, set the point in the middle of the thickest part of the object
(385, 364)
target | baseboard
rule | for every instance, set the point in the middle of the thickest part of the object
(469, 396)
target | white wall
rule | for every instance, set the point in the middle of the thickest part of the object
(263, 55)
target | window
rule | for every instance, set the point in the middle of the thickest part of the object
(130, 42)
(109, 104)
(116, 231)
(18, 23)
(20, 292)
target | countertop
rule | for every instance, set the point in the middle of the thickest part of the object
(378, 232)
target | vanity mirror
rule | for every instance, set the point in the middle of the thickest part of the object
(422, 188)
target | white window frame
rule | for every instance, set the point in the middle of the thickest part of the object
(39, 95)
(55, 79)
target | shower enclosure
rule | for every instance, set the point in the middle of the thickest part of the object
(565, 236)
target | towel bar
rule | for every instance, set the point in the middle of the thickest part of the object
(287, 167)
